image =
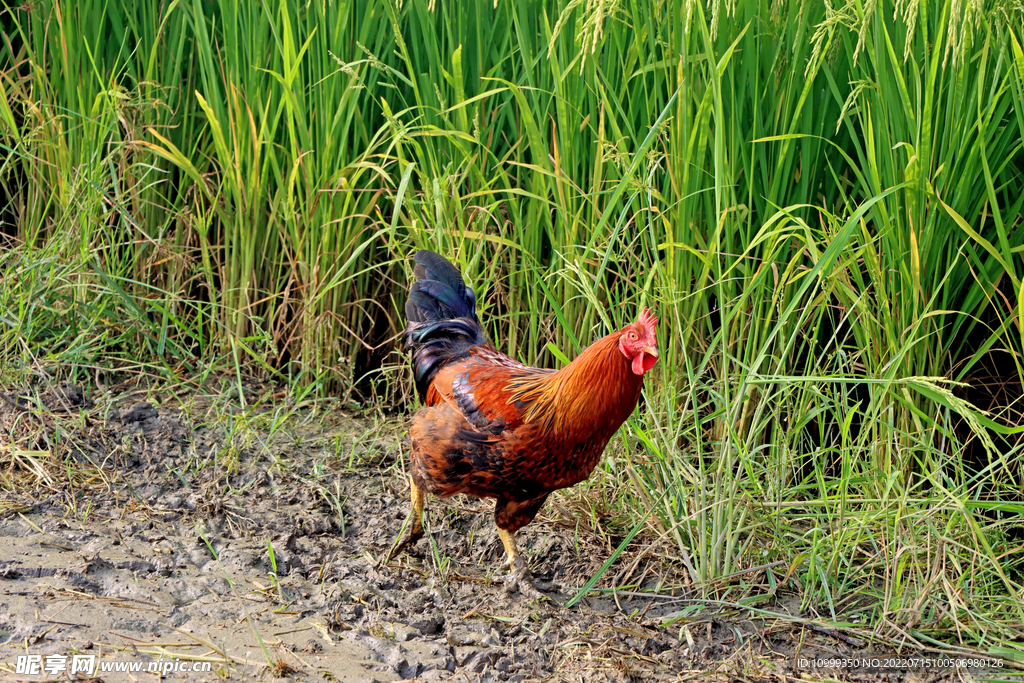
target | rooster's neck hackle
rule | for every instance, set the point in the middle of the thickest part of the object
(594, 391)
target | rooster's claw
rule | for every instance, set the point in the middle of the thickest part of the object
(410, 539)
(518, 579)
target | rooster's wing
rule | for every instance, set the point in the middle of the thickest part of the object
(478, 387)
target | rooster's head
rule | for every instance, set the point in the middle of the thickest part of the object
(639, 343)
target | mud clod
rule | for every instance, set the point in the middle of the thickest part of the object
(140, 412)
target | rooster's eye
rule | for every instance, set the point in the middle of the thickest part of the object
(632, 335)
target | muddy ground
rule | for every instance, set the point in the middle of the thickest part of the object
(140, 526)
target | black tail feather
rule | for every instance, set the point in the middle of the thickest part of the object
(443, 324)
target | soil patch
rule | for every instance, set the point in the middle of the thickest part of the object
(178, 533)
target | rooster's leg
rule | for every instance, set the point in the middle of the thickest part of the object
(414, 522)
(518, 575)
(508, 539)
(511, 515)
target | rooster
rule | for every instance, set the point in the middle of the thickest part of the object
(495, 428)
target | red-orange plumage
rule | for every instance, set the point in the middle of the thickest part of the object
(495, 428)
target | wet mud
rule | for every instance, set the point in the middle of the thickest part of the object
(166, 529)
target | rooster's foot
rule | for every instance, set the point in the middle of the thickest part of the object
(518, 579)
(409, 539)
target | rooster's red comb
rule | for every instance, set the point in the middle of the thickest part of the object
(648, 320)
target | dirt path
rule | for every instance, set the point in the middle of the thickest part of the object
(245, 548)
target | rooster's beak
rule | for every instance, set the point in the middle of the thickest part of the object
(651, 351)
